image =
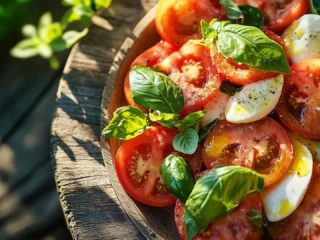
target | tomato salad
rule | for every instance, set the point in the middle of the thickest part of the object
(223, 119)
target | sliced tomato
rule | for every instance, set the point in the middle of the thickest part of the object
(239, 74)
(194, 161)
(262, 145)
(178, 21)
(273, 36)
(149, 58)
(303, 223)
(280, 13)
(191, 67)
(235, 226)
(299, 104)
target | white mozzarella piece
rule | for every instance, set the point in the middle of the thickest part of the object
(281, 199)
(215, 109)
(302, 38)
(254, 101)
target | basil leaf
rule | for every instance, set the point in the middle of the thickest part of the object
(255, 217)
(26, 48)
(192, 119)
(152, 89)
(186, 141)
(177, 176)
(249, 45)
(203, 132)
(207, 31)
(315, 6)
(229, 88)
(102, 3)
(252, 16)
(191, 225)
(127, 122)
(168, 120)
(217, 193)
(232, 9)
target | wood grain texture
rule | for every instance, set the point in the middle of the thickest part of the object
(91, 206)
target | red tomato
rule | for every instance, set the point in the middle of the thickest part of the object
(273, 36)
(303, 223)
(178, 21)
(149, 58)
(138, 162)
(299, 104)
(239, 74)
(262, 145)
(235, 226)
(191, 67)
(280, 13)
(254, 3)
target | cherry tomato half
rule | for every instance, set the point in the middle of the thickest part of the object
(235, 226)
(262, 145)
(191, 67)
(178, 21)
(299, 104)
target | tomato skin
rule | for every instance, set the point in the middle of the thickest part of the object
(280, 14)
(262, 145)
(178, 21)
(191, 67)
(299, 104)
(234, 226)
(239, 74)
(304, 222)
(151, 146)
(149, 58)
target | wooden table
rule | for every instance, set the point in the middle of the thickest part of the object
(90, 205)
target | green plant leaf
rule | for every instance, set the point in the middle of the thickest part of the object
(217, 193)
(67, 40)
(26, 48)
(168, 120)
(252, 16)
(29, 30)
(177, 177)
(230, 88)
(191, 225)
(127, 122)
(232, 9)
(186, 141)
(45, 50)
(255, 217)
(203, 132)
(249, 45)
(45, 20)
(155, 90)
(50, 32)
(102, 3)
(315, 6)
(54, 63)
(192, 119)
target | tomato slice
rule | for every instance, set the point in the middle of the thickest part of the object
(239, 74)
(280, 13)
(178, 21)
(191, 67)
(304, 222)
(262, 145)
(149, 58)
(299, 104)
(234, 226)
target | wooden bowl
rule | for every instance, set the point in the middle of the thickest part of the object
(153, 222)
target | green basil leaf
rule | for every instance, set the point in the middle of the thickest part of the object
(155, 90)
(217, 193)
(255, 217)
(191, 225)
(252, 16)
(203, 132)
(192, 119)
(29, 30)
(50, 32)
(26, 48)
(45, 50)
(177, 177)
(315, 6)
(232, 9)
(207, 31)
(102, 3)
(249, 45)
(67, 40)
(186, 141)
(128, 122)
(230, 88)
(168, 120)
(45, 20)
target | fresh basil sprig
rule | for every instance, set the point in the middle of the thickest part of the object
(203, 132)
(315, 6)
(232, 9)
(128, 122)
(229, 88)
(177, 177)
(192, 119)
(252, 16)
(155, 90)
(245, 44)
(168, 120)
(255, 217)
(217, 194)
(186, 141)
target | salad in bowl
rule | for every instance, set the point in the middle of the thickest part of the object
(223, 119)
